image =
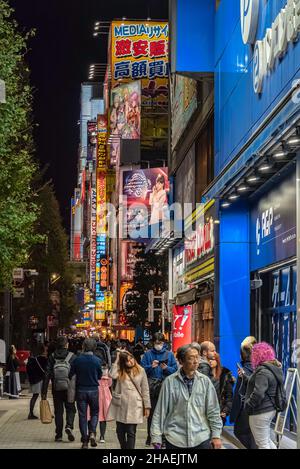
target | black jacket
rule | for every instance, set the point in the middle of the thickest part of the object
(261, 389)
(240, 392)
(226, 384)
(36, 368)
(58, 354)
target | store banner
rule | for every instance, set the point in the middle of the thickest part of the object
(130, 253)
(102, 143)
(199, 245)
(273, 225)
(140, 51)
(93, 248)
(182, 326)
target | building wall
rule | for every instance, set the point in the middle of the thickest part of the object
(234, 92)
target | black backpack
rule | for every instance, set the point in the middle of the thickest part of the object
(102, 353)
(280, 401)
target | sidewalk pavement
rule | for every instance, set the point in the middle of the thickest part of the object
(19, 433)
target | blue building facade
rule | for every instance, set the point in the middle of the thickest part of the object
(257, 140)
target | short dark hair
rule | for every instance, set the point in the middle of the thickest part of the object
(61, 342)
(182, 351)
(158, 337)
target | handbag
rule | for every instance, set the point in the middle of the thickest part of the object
(45, 412)
(134, 384)
(116, 396)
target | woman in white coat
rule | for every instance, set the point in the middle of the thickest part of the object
(130, 398)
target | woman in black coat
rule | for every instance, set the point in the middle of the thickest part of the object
(12, 386)
(224, 384)
(36, 367)
(238, 415)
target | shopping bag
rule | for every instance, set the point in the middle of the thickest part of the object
(45, 412)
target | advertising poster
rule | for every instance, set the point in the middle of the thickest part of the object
(92, 140)
(183, 103)
(140, 51)
(145, 193)
(125, 113)
(182, 326)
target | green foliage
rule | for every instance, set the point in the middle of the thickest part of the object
(18, 208)
(151, 273)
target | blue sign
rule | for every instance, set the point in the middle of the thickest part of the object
(273, 225)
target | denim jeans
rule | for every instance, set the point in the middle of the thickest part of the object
(85, 399)
(261, 429)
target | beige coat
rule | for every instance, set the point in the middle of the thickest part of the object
(130, 409)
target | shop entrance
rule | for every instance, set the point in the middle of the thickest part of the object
(276, 314)
(204, 319)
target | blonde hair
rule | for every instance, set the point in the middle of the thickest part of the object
(248, 342)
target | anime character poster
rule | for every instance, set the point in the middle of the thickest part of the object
(145, 192)
(125, 114)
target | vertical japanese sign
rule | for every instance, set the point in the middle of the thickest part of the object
(140, 51)
(182, 326)
(93, 251)
(101, 239)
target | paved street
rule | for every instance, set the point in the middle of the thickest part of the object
(19, 433)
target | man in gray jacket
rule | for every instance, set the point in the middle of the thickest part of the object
(187, 412)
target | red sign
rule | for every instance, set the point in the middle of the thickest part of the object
(182, 326)
(200, 243)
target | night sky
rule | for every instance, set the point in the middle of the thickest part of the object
(59, 58)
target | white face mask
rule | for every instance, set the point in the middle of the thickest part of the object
(159, 347)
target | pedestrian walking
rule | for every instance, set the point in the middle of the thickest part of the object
(187, 412)
(102, 351)
(224, 386)
(130, 400)
(87, 369)
(238, 415)
(158, 363)
(36, 368)
(265, 394)
(12, 384)
(105, 398)
(58, 369)
(207, 353)
(138, 350)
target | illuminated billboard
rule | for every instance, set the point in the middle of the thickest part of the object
(145, 193)
(140, 51)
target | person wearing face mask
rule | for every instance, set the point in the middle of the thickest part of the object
(159, 363)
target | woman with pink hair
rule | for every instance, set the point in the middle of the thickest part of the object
(261, 400)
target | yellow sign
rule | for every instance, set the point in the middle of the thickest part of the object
(140, 51)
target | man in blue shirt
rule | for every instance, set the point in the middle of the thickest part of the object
(158, 363)
(88, 371)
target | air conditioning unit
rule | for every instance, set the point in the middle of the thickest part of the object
(2, 92)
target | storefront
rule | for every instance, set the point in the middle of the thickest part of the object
(273, 268)
(195, 276)
(257, 144)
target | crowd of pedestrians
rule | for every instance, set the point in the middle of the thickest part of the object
(186, 399)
